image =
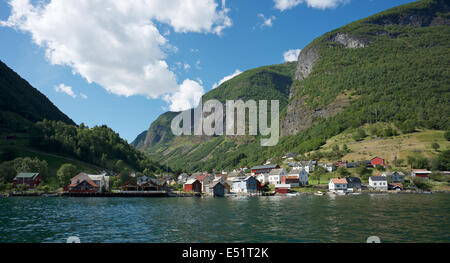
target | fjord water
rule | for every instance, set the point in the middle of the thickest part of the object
(394, 218)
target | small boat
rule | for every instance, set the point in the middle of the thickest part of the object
(50, 195)
(319, 193)
(292, 194)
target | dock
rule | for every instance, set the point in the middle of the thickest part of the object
(120, 194)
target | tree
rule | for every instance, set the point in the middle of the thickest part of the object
(7, 172)
(363, 172)
(435, 146)
(66, 172)
(422, 183)
(120, 165)
(342, 171)
(318, 172)
(447, 135)
(29, 165)
(359, 135)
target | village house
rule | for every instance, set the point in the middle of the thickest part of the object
(245, 185)
(328, 166)
(217, 189)
(377, 161)
(32, 180)
(340, 164)
(394, 177)
(353, 184)
(264, 169)
(395, 186)
(84, 185)
(146, 183)
(205, 180)
(275, 176)
(337, 185)
(420, 173)
(193, 185)
(308, 166)
(378, 183)
(89, 183)
(297, 177)
(282, 188)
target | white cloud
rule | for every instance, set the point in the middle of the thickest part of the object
(116, 44)
(187, 66)
(65, 89)
(188, 96)
(84, 96)
(283, 5)
(267, 21)
(291, 55)
(226, 78)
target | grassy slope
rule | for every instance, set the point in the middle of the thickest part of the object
(21, 149)
(401, 146)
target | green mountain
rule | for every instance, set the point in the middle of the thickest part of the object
(21, 104)
(264, 83)
(392, 68)
(31, 126)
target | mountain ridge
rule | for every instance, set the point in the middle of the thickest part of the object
(22, 104)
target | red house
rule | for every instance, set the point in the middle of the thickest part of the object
(193, 185)
(341, 164)
(420, 173)
(377, 161)
(30, 179)
(282, 188)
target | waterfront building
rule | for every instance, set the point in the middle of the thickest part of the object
(30, 179)
(378, 183)
(337, 185)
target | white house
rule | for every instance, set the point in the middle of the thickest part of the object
(328, 166)
(275, 176)
(378, 183)
(245, 185)
(308, 166)
(263, 178)
(337, 185)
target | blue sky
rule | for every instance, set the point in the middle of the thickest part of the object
(189, 51)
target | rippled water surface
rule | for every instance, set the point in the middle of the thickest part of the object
(394, 218)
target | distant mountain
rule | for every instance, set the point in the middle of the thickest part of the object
(392, 67)
(264, 83)
(21, 104)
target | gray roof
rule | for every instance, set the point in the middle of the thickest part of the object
(354, 180)
(378, 178)
(276, 171)
(27, 175)
(270, 166)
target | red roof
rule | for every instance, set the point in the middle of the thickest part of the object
(89, 181)
(339, 181)
(202, 177)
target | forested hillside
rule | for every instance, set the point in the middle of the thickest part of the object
(22, 105)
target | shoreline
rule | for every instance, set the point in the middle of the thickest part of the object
(163, 194)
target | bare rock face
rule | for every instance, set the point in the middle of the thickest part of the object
(306, 61)
(349, 41)
(300, 117)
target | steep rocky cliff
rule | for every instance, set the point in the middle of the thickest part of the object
(300, 116)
